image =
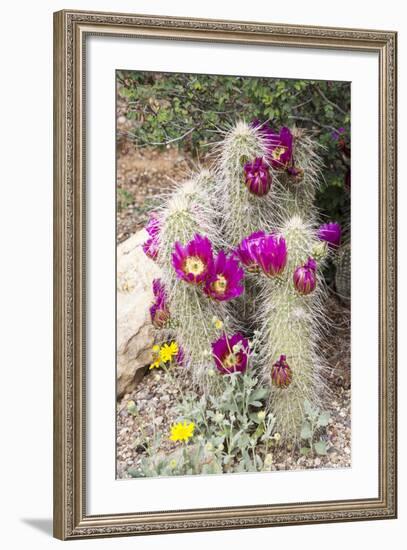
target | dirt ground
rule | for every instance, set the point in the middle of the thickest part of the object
(141, 175)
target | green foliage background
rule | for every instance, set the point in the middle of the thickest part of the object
(187, 110)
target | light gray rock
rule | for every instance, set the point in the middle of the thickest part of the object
(135, 333)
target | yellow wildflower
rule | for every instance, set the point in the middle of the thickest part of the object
(167, 351)
(182, 431)
(156, 358)
(217, 323)
(155, 364)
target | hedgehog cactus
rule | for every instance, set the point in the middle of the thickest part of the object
(242, 168)
(290, 323)
(342, 275)
(188, 213)
(256, 211)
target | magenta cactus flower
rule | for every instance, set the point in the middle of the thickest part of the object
(331, 233)
(223, 283)
(153, 225)
(193, 262)
(281, 374)
(257, 177)
(230, 354)
(150, 246)
(279, 145)
(245, 250)
(159, 310)
(271, 254)
(263, 127)
(280, 148)
(304, 277)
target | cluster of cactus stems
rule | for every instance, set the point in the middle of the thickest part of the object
(284, 306)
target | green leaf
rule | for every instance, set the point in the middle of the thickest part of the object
(305, 450)
(256, 403)
(320, 447)
(306, 432)
(323, 419)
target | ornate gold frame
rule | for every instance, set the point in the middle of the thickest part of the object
(70, 518)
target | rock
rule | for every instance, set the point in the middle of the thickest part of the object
(135, 333)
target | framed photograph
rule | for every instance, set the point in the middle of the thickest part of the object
(225, 274)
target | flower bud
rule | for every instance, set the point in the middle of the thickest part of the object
(330, 233)
(305, 279)
(281, 374)
(257, 177)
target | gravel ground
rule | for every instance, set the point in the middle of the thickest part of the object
(155, 398)
(154, 401)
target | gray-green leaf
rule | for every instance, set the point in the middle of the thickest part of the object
(320, 447)
(306, 431)
(323, 419)
(259, 393)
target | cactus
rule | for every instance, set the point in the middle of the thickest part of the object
(241, 212)
(342, 275)
(187, 213)
(289, 324)
(284, 305)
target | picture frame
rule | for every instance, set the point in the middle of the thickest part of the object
(72, 29)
